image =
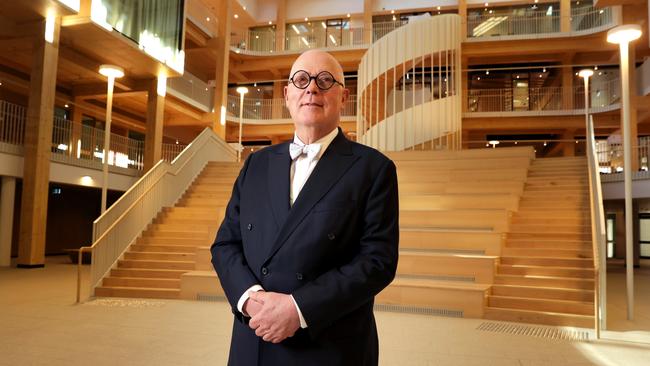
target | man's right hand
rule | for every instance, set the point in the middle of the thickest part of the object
(251, 307)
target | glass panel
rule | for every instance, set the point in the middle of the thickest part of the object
(610, 229)
(520, 94)
(645, 250)
(262, 38)
(644, 229)
(155, 25)
(610, 250)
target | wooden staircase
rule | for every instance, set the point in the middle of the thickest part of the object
(546, 272)
(168, 249)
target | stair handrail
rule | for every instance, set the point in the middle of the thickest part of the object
(598, 234)
(161, 186)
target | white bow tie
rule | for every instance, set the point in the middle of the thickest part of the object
(311, 150)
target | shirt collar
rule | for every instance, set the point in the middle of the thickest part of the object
(324, 141)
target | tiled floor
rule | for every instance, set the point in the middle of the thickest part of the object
(41, 325)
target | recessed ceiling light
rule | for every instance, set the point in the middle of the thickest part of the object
(392, 11)
(236, 16)
(270, 22)
(306, 19)
(207, 18)
(244, 7)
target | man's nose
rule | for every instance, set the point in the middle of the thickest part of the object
(312, 88)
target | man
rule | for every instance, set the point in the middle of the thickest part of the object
(310, 235)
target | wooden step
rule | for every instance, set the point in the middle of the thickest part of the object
(174, 256)
(147, 273)
(173, 241)
(546, 305)
(548, 243)
(553, 262)
(521, 151)
(173, 283)
(528, 270)
(558, 226)
(477, 267)
(138, 292)
(451, 241)
(539, 317)
(486, 219)
(181, 235)
(545, 281)
(155, 264)
(465, 297)
(154, 248)
(463, 163)
(550, 235)
(537, 252)
(458, 201)
(543, 293)
(495, 187)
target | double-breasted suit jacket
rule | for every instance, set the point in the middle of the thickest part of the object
(333, 250)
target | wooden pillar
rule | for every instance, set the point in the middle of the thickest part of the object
(565, 16)
(154, 128)
(464, 79)
(567, 85)
(224, 15)
(281, 25)
(38, 139)
(75, 136)
(278, 95)
(569, 147)
(367, 21)
(465, 139)
(8, 194)
(462, 12)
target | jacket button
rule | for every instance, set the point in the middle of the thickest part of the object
(265, 271)
(331, 236)
(250, 227)
(299, 276)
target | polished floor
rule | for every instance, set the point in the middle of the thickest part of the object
(40, 324)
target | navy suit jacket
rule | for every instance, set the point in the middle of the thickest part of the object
(333, 250)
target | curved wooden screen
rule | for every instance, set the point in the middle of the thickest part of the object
(410, 87)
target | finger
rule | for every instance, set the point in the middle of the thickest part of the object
(267, 337)
(254, 323)
(260, 332)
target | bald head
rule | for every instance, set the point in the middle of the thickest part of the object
(318, 59)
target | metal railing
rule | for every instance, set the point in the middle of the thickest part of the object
(270, 109)
(598, 234)
(75, 143)
(610, 155)
(585, 19)
(544, 100)
(160, 187)
(498, 24)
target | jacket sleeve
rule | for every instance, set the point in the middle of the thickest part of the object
(341, 290)
(228, 252)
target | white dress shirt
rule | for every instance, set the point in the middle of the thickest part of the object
(300, 171)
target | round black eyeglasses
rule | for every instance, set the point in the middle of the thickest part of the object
(324, 80)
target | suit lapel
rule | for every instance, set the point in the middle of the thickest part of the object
(336, 160)
(278, 182)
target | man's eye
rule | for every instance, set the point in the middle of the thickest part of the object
(326, 79)
(301, 79)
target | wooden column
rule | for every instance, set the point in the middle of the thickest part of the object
(567, 85)
(464, 80)
(565, 16)
(281, 25)
(154, 128)
(568, 148)
(8, 194)
(38, 139)
(462, 12)
(278, 94)
(223, 11)
(75, 136)
(367, 21)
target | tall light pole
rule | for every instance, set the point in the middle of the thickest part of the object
(241, 90)
(623, 35)
(112, 73)
(585, 75)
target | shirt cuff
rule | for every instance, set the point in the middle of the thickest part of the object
(303, 323)
(245, 296)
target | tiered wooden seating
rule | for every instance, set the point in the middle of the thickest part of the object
(546, 272)
(454, 209)
(167, 250)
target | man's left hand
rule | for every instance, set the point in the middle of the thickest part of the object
(278, 319)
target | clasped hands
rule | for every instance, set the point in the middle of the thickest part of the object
(273, 315)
